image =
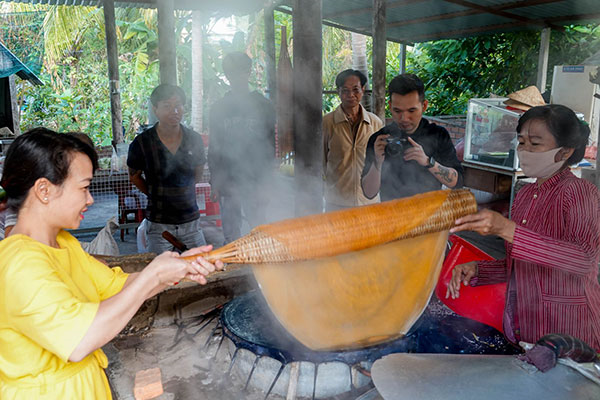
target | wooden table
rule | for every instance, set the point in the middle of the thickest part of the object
(492, 179)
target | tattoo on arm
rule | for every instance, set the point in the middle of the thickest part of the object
(446, 175)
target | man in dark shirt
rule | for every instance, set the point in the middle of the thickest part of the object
(421, 157)
(241, 152)
(165, 162)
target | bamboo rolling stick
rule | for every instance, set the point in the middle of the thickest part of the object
(339, 232)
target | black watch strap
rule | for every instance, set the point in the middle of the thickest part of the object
(431, 163)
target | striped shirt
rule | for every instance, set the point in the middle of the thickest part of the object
(552, 265)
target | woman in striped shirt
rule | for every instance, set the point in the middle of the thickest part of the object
(552, 240)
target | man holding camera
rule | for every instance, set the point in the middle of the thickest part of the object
(346, 132)
(411, 155)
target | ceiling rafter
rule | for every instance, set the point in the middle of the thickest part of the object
(502, 13)
(369, 10)
(464, 13)
(475, 30)
(466, 31)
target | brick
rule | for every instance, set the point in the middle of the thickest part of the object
(148, 384)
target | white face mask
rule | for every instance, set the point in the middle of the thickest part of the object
(539, 165)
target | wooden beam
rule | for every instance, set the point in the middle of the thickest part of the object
(308, 48)
(379, 53)
(167, 55)
(468, 12)
(402, 58)
(270, 52)
(577, 17)
(543, 59)
(14, 119)
(112, 53)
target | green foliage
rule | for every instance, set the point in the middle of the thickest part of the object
(75, 96)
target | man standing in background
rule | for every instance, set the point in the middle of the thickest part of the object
(411, 155)
(241, 153)
(346, 132)
(165, 162)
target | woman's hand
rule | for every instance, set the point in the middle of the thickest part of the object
(461, 273)
(203, 263)
(486, 222)
(169, 268)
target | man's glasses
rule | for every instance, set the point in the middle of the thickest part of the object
(355, 91)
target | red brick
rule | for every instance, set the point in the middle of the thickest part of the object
(148, 384)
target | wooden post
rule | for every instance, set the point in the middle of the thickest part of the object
(167, 55)
(543, 59)
(402, 58)
(112, 53)
(14, 106)
(197, 71)
(270, 52)
(379, 48)
(308, 101)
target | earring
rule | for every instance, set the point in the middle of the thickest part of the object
(45, 199)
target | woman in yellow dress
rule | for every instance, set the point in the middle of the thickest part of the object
(59, 305)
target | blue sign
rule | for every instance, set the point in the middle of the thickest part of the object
(573, 68)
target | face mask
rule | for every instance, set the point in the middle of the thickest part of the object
(539, 165)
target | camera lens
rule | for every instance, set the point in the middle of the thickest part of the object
(395, 145)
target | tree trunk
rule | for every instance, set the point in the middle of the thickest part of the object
(197, 81)
(167, 43)
(359, 62)
(379, 53)
(113, 71)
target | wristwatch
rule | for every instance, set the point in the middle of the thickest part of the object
(431, 162)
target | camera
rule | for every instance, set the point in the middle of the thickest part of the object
(396, 142)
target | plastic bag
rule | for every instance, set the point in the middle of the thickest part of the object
(104, 243)
(118, 160)
(142, 237)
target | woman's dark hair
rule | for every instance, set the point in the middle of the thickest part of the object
(568, 130)
(404, 84)
(165, 92)
(40, 153)
(344, 75)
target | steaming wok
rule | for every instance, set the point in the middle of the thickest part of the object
(354, 277)
(354, 299)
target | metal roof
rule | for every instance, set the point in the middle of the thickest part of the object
(413, 21)
(222, 7)
(408, 21)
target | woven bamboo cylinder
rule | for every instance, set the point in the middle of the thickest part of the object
(339, 232)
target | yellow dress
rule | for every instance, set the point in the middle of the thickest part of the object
(48, 299)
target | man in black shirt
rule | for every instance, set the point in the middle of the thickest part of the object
(411, 155)
(165, 162)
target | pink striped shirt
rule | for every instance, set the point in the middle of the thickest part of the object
(552, 263)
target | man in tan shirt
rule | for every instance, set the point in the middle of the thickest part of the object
(346, 132)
